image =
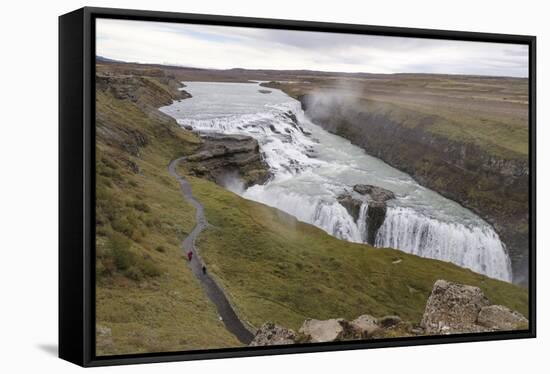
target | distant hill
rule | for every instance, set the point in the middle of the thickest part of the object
(106, 59)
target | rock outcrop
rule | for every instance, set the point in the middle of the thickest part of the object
(454, 308)
(331, 330)
(376, 198)
(498, 317)
(376, 194)
(225, 156)
(272, 334)
(141, 90)
(366, 325)
(316, 331)
(389, 321)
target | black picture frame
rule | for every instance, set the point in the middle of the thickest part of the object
(77, 181)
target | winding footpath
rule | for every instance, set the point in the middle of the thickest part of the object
(213, 290)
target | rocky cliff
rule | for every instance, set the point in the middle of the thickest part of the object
(221, 158)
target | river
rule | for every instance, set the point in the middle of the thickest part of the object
(312, 167)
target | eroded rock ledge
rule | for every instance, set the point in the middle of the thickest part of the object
(228, 156)
(451, 308)
(376, 198)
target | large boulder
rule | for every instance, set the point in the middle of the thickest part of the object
(453, 308)
(272, 334)
(389, 321)
(365, 325)
(498, 317)
(316, 331)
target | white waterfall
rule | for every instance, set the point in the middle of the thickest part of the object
(476, 248)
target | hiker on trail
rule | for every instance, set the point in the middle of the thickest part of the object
(189, 256)
(203, 269)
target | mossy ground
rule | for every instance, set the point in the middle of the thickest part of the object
(145, 292)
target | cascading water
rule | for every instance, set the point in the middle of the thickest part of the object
(477, 248)
(312, 167)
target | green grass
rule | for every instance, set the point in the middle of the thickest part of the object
(508, 139)
(146, 293)
(278, 269)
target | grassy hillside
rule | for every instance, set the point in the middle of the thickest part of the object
(273, 267)
(279, 269)
(147, 297)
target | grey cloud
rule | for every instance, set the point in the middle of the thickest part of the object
(282, 49)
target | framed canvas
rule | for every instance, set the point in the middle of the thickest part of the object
(237, 187)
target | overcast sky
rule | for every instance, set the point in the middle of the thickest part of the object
(222, 47)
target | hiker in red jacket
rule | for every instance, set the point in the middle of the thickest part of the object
(189, 255)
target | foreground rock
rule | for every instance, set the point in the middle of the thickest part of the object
(332, 330)
(272, 334)
(227, 158)
(498, 317)
(315, 331)
(452, 308)
(389, 321)
(376, 198)
(456, 308)
(365, 325)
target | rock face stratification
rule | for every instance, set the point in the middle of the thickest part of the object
(376, 198)
(223, 156)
